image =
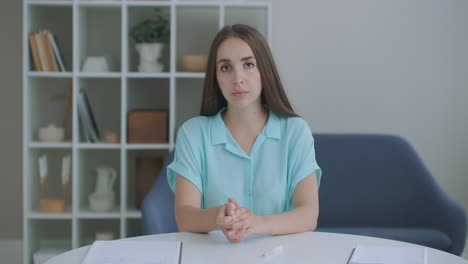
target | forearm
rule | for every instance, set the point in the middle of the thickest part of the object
(191, 219)
(298, 220)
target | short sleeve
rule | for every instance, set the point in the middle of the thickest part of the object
(302, 158)
(185, 163)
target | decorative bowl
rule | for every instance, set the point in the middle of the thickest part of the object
(194, 63)
(51, 133)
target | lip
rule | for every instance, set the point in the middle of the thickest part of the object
(240, 93)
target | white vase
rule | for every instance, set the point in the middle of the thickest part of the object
(150, 54)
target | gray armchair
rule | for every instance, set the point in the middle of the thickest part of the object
(373, 185)
(376, 185)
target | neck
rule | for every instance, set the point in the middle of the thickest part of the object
(248, 119)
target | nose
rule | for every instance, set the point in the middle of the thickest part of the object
(239, 77)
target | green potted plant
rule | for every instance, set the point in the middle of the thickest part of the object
(150, 36)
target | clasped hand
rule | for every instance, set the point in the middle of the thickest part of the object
(236, 222)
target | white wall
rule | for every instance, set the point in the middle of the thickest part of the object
(390, 66)
(397, 67)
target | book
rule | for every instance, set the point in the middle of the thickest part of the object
(35, 52)
(41, 47)
(134, 252)
(90, 131)
(364, 254)
(49, 51)
(57, 52)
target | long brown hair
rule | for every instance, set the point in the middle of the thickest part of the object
(272, 95)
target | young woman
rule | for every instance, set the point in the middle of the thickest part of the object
(247, 164)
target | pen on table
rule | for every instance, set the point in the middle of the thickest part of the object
(273, 252)
(352, 252)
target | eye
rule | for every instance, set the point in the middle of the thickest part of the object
(249, 65)
(224, 68)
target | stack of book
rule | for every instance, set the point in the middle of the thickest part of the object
(45, 52)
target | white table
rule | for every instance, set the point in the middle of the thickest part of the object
(309, 247)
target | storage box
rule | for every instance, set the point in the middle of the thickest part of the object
(49, 205)
(148, 126)
(147, 170)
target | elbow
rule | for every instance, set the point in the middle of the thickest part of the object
(308, 215)
(181, 225)
(312, 221)
(182, 229)
(310, 225)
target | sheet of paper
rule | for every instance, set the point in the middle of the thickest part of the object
(135, 252)
(388, 255)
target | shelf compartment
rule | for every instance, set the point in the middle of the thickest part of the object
(58, 20)
(50, 3)
(89, 160)
(137, 14)
(254, 16)
(88, 230)
(189, 96)
(92, 22)
(68, 75)
(148, 75)
(191, 75)
(47, 235)
(101, 3)
(133, 228)
(98, 146)
(147, 146)
(98, 75)
(88, 214)
(204, 4)
(196, 29)
(104, 97)
(147, 95)
(38, 215)
(47, 105)
(146, 3)
(54, 188)
(133, 213)
(50, 145)
(143, 168)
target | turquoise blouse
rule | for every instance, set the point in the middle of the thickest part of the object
(208, 156)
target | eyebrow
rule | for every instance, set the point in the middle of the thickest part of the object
(243, 59)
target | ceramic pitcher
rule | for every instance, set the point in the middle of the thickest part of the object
(105, 179)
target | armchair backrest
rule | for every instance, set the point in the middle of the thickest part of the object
(158, 205)
(379, 181)
(372, 179)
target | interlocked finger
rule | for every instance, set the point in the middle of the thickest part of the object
(240, 224)
(239, 212)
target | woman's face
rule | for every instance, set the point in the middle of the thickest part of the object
(237, 73)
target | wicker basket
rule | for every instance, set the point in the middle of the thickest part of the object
(148, 126)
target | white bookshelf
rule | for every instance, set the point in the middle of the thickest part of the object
(100, 28)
